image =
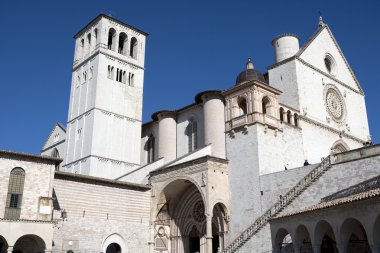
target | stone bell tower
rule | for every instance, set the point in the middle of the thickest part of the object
(105, 110)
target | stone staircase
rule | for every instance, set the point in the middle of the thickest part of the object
(284, 201)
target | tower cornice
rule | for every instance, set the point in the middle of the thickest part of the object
(102, 15)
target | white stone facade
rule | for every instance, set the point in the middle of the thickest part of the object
(196, 178)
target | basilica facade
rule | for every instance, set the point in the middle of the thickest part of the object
(226, 173)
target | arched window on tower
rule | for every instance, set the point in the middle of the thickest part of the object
(123, 39)
(289, 117)
(265, 104)
(191, 132)
(150, 149)
(242, 107)
(80, 49)
(96, 36)
(111, 39)
(88, 44)
(133, 49)
(15, 192)
(282, 111)
(131, 79)
(296, 120)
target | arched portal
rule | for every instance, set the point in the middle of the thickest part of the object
(30, 244)
(181, 213)
(113, 248)
(3, 245)
(354, 237)
(114, 243)
(324, 236)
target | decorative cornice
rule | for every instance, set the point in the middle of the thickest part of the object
(257, 83)
(27, 221)
(103, 158)
(98, 181)
(200, 160)
(86, 113)
(102, 15)
(97, 51)
(329, 76)
(342, 133)
(29, 157)
(52, 146)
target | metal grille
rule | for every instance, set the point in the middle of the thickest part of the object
(15, 191)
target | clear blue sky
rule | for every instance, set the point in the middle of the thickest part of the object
(193, 46)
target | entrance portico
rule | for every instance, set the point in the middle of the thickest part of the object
(190, 206)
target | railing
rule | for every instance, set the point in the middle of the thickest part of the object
(285, 200)
(238, 121)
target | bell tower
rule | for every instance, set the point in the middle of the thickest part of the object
(105, 110)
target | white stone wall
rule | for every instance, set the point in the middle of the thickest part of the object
(56, 140)
(196, 114)
(278, 149)
(242, 150)
(89, 204)
(284, 78)
(147, 130)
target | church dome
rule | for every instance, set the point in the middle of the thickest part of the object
(249, 74)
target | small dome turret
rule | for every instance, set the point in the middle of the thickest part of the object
(249, 74)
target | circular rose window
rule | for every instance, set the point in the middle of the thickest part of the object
(199, 211)
(335, 104)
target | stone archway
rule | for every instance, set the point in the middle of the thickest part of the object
(30, 244)
(181, 214)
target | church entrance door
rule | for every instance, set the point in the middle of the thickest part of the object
(195, 246)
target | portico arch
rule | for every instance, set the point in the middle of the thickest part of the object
(29, 243)
(324, 237)
(283, 242)
(302, 239)
(3, 245)
(376, 233)
(354, 237)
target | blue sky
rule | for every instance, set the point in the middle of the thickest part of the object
(192, 46)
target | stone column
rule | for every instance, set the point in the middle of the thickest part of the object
(317, 248)
(167, 135)
(214, 123)
(375, 248)
(209, 233)
(341, 248)
(291, 120)
(116, 42)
